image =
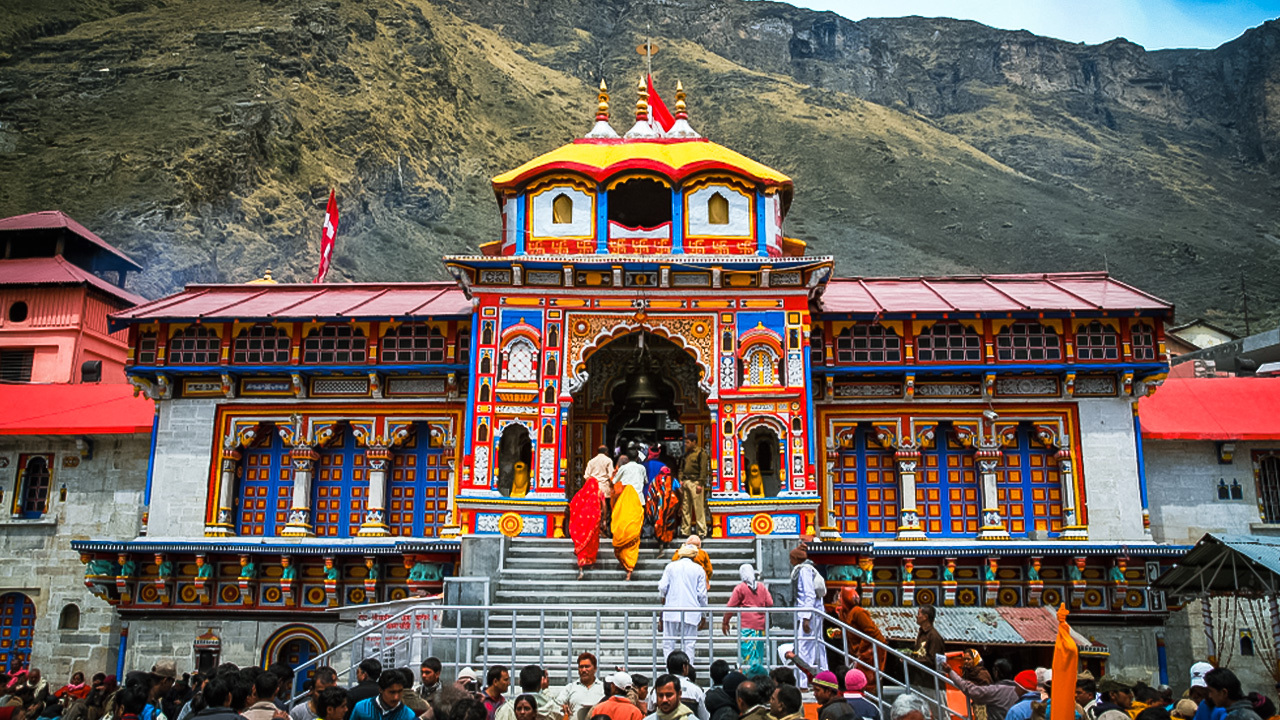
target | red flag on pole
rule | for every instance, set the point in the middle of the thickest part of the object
(658, 109)
(327, 235)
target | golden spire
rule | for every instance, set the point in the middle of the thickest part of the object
(602, 109)
(680, 109)
(642, 102)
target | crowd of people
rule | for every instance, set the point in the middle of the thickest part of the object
(633, 493)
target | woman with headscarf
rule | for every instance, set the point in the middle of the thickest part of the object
(753, 593)
(584, 523)
(628, 517)
(662, 505)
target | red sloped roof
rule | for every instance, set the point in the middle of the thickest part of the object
(109, 409)
(305, 300)
(57, 271)
(987, 293)
(1236, 408)
(53, 219)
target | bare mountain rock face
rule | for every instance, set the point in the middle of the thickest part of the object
(203, 138)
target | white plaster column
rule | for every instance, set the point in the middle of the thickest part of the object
(224, 522)
(1072, 528)
(908, 513)
(988, 456)
(378, 460)
(303, 459)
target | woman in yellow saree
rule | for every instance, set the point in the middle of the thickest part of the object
(628, 517)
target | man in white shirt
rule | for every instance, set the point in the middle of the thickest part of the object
(600, 467)
(808, 588)
(578, 698)
(683, 585)
(631, 473)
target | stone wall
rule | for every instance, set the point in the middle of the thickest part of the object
(243, 640)
(184, 451)
(1182, 481)
(1133, 648)
(1186, 642)
(1110, 463)
(103, 502)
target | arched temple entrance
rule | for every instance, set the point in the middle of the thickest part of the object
(763, 469)
(641, 392)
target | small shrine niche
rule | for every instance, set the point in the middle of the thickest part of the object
(515, 455)
(762, 462)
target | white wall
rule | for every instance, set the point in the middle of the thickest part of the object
(583, 224)
(1182, 488)
(184, 451)
(739, 213)
(1110, 464)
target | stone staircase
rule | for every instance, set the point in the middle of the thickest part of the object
(541, 574)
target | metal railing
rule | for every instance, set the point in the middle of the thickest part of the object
(624, 636)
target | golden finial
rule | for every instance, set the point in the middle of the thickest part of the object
(680, 109)
(642, 103)
(602, 109)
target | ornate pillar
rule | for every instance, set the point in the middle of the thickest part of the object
(908, 459)
(303, 459)
(378, 459)
(223, 524)
(1072, 528)
(987, 455)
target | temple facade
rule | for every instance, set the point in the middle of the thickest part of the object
(970, 442)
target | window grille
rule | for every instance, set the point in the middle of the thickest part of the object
(868, 344)
(146, 349)
(35, 486)
(334, 344)
(760, 367)
(1144, 342)
(522, 361)
(1028, 341)
(15, 364)
(1269, 488)
(194, 345)
(413, 343)
(948, 342)
(261, 345)
(1096, 341)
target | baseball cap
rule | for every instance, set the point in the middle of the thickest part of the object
(467, 673)
(620, 680)
(1198, 671)
(826, 679)
(1026, 680)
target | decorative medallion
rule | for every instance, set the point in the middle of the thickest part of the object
(885, 598)
(188, 594)
(926, 596)
(510, 524)
(315, 595)
(230, 594)
(762, 524)
(1008, 597)
(271, 594)
(967, 597)
(1052, 597)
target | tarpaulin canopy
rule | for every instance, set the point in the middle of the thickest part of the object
(109, 409)
(1237, 408)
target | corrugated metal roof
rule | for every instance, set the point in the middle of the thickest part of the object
(55, 219)
(58, 271)
(1051, 292)
(1034, 624)
(1235, 408)
(304, 301)
(973, 626)
(1229, 564)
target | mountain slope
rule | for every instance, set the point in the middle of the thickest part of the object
(205, 143)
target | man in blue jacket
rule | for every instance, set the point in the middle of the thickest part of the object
(386, 704)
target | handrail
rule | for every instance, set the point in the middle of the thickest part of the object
(593, 616)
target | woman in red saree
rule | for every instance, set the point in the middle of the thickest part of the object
(584, 524)
(663, 505)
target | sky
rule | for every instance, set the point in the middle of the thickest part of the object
(1154, 24)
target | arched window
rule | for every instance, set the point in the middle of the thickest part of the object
(1096, 341)
(718, 209)
(146, 349)
(334, 345)
(522, 361)
(1269, 488)
(485, 393)
(548, 434)
(69, 619)
(760, 367)
(868, 344)
(549, 394)
(948, 342)
(553, 336)
(1028, 341)
(261, 345)
(194, 345)
(551, 366)
(1144, 342)
(413, 343)
(562, 210)
(726, 341)
(33, 482)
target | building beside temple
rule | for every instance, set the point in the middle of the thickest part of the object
(74, 441)
(969, 442)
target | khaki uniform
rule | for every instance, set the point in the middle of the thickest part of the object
(695, 487)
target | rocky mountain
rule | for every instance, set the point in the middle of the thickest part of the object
(203, 137)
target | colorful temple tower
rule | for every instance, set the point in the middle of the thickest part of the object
(642, 291)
